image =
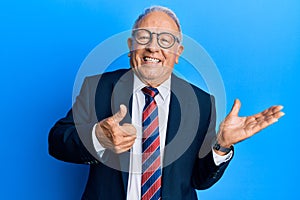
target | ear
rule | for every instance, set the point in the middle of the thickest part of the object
(129, 43)
(179, 52)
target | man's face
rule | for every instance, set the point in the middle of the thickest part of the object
(152, 63)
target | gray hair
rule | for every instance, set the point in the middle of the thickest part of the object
(151, 9)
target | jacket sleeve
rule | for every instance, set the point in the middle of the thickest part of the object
(70, 138)
(206, 173)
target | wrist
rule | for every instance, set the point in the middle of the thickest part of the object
(222, 150)
(222, 141)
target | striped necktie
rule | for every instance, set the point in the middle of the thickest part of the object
(151, 167)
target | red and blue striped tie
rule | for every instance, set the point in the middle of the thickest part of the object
(151, 167)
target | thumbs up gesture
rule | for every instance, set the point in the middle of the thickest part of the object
(235, 129)
(112, 135)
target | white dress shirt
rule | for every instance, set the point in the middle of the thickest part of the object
(138, 102)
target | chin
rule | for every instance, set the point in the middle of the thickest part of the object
(150, 77)
(152, 74)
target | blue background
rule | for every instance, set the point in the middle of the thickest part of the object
(255, 44)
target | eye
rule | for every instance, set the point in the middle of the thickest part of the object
(142, 36)
(166, 40)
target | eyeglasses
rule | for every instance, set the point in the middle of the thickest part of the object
(164, 39)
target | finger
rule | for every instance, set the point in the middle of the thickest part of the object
(269, 111)
(104, 140)
(279, 107)
(128, 129)
(280, 114)
(257, 127)
(119, 116)
(124, 145)
(121, 141)
(119, 150)
(277, 114)
(262, 122)
(267, 122)
(101, 130)
(105, 125)
(235, 108)
(127, 147)
(272, 110)
(107, 134)
(128, 141)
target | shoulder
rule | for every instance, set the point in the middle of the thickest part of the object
(111, 74)
(107, 75)
(105, 80)
(184, 86)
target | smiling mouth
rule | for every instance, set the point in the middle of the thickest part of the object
(151, 60)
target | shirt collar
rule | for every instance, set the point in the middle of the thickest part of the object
(164, 88)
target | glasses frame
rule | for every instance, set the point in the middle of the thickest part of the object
(176, 39)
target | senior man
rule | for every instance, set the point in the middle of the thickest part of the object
(144, 131)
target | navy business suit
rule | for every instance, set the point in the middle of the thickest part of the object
(191, 117)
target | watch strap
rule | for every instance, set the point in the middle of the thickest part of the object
(218, 147)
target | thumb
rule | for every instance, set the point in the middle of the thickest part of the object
(119, 116)
(235, 108)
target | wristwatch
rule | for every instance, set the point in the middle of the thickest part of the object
(218, 147)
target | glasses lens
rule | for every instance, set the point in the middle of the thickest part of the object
(166, 40)
(142, 36)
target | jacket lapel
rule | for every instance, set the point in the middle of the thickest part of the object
(172, 128)
(122, 94)
(182, 128)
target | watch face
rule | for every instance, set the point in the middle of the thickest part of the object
(216, 146)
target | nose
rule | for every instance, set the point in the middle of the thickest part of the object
(153, 46)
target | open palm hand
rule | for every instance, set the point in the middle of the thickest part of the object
(235, 129)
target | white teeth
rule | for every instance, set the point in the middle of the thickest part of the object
(154, 60)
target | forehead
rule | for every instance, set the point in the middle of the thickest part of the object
(159, 20)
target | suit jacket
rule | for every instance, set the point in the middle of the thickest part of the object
(191, 125)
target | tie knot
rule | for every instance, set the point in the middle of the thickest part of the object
(152, 92)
